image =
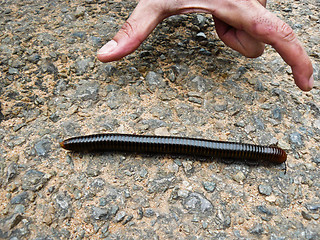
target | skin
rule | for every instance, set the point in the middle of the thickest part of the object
(243, 25)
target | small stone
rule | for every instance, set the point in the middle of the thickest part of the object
(33, 180)
(271, 198)
(316, 124)
(182, 193)
(201, 36)
(83, 65)
(306, 215)
(265, 189)
(187, 167)
(197, 203)
(284, 145)
(257, 229)
(195, 100)
(143, 173)
(154, 80)
(161, 131)
(313, 207)
(80, 11)
(209, 186)
(9, 223)
(128, 219)
(100, 213)
(199, 20)
(43, 147)
(120, 216)
(20, 209)
(140, 213)
(12, 171)
(19, 199)
(13, 71)
(87, 90)
(240, 123)
(249, 128)
(239, 177)
(149, 213)
(161, 184)
(296, 139)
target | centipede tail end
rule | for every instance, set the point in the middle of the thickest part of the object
(62, 145)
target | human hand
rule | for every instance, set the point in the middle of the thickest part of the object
(244, 25)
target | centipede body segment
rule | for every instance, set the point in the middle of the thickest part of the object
(174, 145)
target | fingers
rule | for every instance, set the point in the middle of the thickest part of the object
(140, 24)
(266, 27)
(254, 24)
(254, 19)
(238, 40)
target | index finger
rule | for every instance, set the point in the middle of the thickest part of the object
(270, 29)
(266, 27)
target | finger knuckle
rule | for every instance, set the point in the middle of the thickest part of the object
(287, 32)
(262, 27)
(268, 29)
(127, 29)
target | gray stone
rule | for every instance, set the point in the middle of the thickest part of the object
(199, 20)
(43, 147)
(296, 139)
(209, 186)
(265, 189)
(87, 90)
(48, 67)
(201, 36)
(20, 198)
(154, 80)
(161, 184)
(12, 171)
(33, 180)
(120, 216)
(80, 10)
(100, 213)
(257, 229)
(63, 205)
(197, 203)
(83, 65)
(149, 213)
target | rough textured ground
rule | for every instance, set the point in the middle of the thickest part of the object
(182, 81)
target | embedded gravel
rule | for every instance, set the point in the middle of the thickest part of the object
(182, 81)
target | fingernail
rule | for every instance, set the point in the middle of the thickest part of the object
(108, 47)
(311, 82)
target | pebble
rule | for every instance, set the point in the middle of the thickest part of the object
(20, 198)
(161, 131)
(33, 180)
(120, 216)
(239, 177)
(12, 171)
(296, 139)
(149, 213)
(197, 203)
(43, 147)
(257, 229)
(154, 80)
(265, 189)
(201, 36)
(209, 186)
(306, 215)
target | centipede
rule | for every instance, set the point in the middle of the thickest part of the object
(174, 145)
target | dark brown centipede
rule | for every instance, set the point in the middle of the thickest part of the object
(174, 145)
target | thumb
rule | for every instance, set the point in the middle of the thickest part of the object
(136, 29)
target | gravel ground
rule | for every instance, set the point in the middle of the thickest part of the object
(183, 81)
